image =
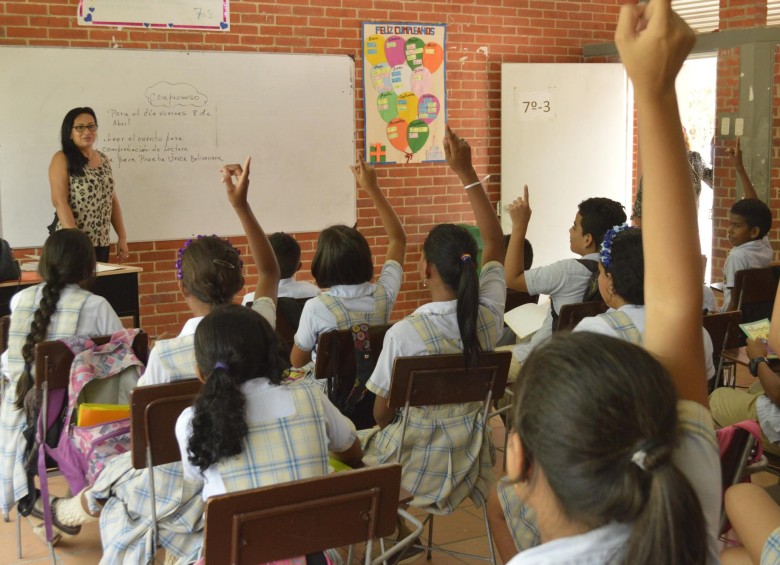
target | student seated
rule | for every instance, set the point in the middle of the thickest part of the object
(612, 445)
(288, 255)
(343, 265)
(249, 427)
(567, 281)
(749, 222)
(58, 307)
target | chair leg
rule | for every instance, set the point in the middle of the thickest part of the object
(489, 531)
(18, 534)
(51, 554)
(430, 538)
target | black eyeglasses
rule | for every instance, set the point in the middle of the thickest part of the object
(81, 128)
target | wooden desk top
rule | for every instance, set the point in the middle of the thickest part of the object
(739, 356)
(32, 277)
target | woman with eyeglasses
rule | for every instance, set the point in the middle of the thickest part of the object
(82, 186)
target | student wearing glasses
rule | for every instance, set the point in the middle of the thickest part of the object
(82, 186)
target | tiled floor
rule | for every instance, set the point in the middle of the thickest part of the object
(462, 531)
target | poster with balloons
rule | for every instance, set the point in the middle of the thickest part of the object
(404, 92)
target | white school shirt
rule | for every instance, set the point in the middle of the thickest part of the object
(264, 402)
(755, 254)
(317, 319)
(402, 340)
(565, 281)
(157, 374)
(97, 317)
(637, 313)
(696, 456)
(288, 288)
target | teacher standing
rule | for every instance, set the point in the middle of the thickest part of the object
(82, 186)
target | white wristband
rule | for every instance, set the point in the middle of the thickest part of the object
(473, 184)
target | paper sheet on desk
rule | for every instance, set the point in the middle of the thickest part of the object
(527, 318)
(103, 267)
(31, 266)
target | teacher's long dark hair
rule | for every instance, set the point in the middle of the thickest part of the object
(76, 159)
(233, 345)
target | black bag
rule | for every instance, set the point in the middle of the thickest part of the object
(52, 227)
(356, 402)
(9, 267)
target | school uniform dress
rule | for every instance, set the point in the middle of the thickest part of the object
(288, 288)
(125, 515)
(755, 254)
(628, 323)
(342, 306)
(770, 554)
(78, 312)
(91, 197)
(730, 406)
(566, 282)
(446, 452)
(697, 458)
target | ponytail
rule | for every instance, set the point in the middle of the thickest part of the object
(453, 251)
(218, 423)
(233, 345)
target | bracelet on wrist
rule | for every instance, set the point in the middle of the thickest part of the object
(473, 184)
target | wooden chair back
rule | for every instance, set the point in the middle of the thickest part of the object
(336, 354)
(153, 414)
(515, 298)
(754, 293)
(5, 325)
(724, 331)
(295, 518)
(572, 314)
(288, 316)
(53, 359)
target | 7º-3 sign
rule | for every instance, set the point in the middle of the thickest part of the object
(536, 105)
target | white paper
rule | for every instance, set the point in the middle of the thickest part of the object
(527, 318)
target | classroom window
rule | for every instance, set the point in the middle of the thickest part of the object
(702, 15)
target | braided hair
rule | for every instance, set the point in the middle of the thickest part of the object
(68, 257)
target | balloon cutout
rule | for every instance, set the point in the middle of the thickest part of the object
(414, 52)
(433, 56)
(401, 77)
(417, 134)
(421, 81)
(380, 77)
(375, 50)
(407, 106)
(428, 108)
(396, 133)
(394, 50)
(386, 104)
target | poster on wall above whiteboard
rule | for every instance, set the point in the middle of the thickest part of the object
(405, 92)
(205, 15)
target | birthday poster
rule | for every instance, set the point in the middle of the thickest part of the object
(404, 87)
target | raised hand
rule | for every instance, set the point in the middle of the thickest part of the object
(236, 180)
(520, 209)
(458, 154)
(365, 174)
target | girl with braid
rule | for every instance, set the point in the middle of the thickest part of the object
(58, 307)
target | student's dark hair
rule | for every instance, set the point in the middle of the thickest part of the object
(628, 267)
(68, 257)
(755, 213)
(211, 270)
(287, 251)
(528, 251)
(584, 423)
(233, 345)
(453, 250)
(76, 159)
(342, 257)
(598, 215)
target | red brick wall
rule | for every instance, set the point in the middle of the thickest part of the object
(512, 31)
(736, 14)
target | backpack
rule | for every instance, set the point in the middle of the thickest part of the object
(99, 373)
(357, 402)
(591, 292)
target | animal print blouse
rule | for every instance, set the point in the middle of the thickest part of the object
(90, 197)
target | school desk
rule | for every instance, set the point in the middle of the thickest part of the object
(119, 287)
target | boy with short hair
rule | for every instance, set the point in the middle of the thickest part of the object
(566, 281)
(749, 222)
(288, 255)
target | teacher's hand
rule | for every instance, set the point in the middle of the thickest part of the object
(122, 250)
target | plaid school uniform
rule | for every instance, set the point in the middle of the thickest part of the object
(345, 319)
(63, 323)
(281, 450)
(177, 356)
(623, 326)
(770, 555)
(447, 453)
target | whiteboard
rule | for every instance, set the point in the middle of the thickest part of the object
(565, 132)
(168, 120)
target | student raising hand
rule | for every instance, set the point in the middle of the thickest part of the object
(236, 189)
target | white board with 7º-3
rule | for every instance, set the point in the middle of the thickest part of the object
(168, 120)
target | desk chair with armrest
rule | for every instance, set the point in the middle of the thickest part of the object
(53, 360)
(725, 333)
(754, 293)
(307, 516)
(443, 379)
(572, 314)
(288, 317)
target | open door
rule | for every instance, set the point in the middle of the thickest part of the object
(565, 132)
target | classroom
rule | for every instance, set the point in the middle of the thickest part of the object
(482, 35)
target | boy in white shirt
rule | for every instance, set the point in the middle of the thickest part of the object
(288, 255)
(749, 222)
